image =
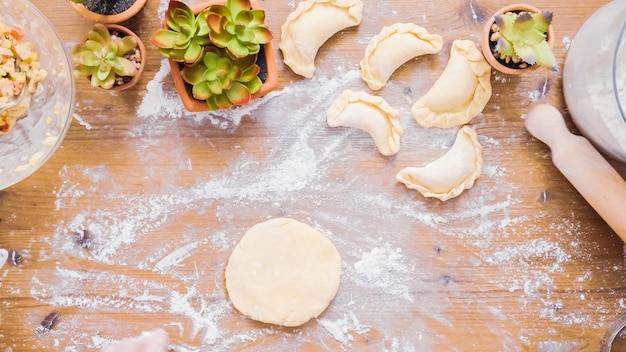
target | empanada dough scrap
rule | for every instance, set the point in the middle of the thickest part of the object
(369, 113)
(452, 173)
(310, 25)
(460, 93)
(283, 272)
(392, 47)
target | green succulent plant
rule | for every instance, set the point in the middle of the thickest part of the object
(223, 81)
(523, 36)
(216, 49)
(101, 56)
(237, 27)
(186, 36)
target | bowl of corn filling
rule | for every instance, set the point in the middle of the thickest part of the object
(36, 70)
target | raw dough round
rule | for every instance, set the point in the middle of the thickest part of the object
(283, 272)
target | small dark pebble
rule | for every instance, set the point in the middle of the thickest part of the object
(84, 238)
(15, 257)
(48, 323)
(445, 279)
(261, 60)
(545, 196)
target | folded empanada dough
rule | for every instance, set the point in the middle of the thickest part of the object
(369, 113)
(460, 93)
(392, 47)
(310, 25)
(452, 173)
(283, 272)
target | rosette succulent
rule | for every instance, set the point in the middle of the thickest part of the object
(237, 27)
(223, 81)
(186, 36)
(102, 57)
(521, 37)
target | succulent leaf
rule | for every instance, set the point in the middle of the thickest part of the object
(193, 74)
(541, 54)
(163, 38)
(215, 87)
(238, 49)
(125, 45)
(237, 6)
(121, 66)
(103, 72)
(193, 53)
(99, 34)
(542, 20)
(238, 94)
(84, 71)
(250, 73)
(201, 91)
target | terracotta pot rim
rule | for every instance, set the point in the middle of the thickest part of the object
(195, 105)
(491, 59)
(142, 49)
(106, 19)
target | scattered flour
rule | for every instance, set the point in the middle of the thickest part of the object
(401, 274)
(82, 122)
(566, 41)
(386, 268)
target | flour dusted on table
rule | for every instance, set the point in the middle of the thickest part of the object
(155, 340)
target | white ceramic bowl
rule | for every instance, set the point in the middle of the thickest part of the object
(594, 79)
(34, 138)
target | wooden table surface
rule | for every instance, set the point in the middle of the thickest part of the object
(520, 262)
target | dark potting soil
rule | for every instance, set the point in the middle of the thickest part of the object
(262, 62)
(108, 7)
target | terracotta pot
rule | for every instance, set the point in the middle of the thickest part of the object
(486, 33)
(117, 18)
(184, 91)
(142, 50)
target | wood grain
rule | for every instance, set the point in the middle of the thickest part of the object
(520, 262)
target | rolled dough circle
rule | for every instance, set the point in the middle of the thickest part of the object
(283, 272)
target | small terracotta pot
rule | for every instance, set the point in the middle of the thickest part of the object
(117, 18)
(142, 50)
(486, 34)
(195, 105)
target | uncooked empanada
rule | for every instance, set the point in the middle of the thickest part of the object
(452, 173)
(369, 113)
(392, 47)
(310, 25)
(460, 93)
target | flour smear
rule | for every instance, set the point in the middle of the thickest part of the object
(162, 254)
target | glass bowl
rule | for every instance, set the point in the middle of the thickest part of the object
(34, 138)
(594, 79)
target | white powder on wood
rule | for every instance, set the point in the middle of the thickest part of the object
(402, 272)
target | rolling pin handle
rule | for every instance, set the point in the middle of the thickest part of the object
(586, 169)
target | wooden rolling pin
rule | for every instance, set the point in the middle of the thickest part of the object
(586, 169)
